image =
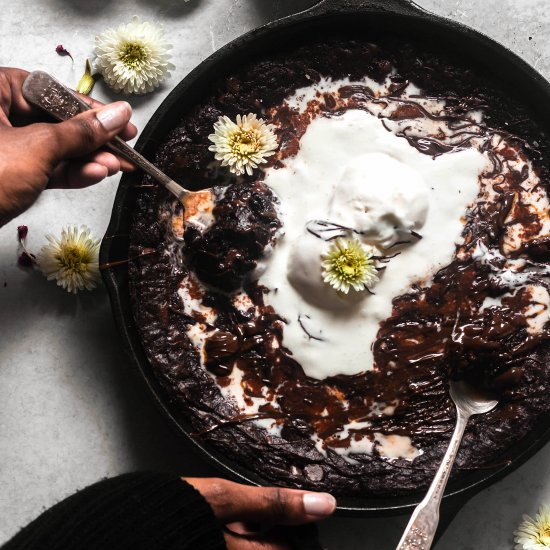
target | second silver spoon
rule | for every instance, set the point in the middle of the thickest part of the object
(420, 531)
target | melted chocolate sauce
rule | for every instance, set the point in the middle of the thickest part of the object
(433, 332)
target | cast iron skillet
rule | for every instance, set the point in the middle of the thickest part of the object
(326, 17)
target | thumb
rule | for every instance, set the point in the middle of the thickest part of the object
(267, 505)
(85, 132)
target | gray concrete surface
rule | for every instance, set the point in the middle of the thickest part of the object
(72, 409)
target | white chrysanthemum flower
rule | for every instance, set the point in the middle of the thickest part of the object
(348, 264)
(243, 145)
(72, 259)
(534, 534)
(133, 58)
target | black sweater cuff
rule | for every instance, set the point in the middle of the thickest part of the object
(140, 511)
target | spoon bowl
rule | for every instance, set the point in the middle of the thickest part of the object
(470, 400)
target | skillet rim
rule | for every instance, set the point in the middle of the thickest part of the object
(115, 278)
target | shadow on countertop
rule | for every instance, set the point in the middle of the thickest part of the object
(167, 8)
(86, 7)
(172, 8)
(94, 363)
(269, 11)
(152, 443)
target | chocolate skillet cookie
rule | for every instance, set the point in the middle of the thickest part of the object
(307, 316)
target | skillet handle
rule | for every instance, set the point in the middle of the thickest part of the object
(402, 7)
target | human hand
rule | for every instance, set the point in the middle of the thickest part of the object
(250, 513)
(35, 155)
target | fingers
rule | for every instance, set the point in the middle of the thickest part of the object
(76, 175)
(108, 160)
(272, 505)
(128, 132)
(18, 104)
(111, 161)
(80, 135)
(93, 171)
(73, 175)
(14, 100)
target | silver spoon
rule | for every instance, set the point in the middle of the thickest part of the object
(420, 531)
(47, 93)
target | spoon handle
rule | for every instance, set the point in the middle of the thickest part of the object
(420, 531)
(47, 93)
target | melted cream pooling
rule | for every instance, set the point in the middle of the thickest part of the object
(335, 154)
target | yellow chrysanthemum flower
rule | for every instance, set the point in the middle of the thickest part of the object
(244, 144)
(134, 57)
(534, 534)
(72, 260)
(348, 264)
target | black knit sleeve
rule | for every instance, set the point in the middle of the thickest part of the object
(140, 511)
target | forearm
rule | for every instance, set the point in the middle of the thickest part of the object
(142, 511)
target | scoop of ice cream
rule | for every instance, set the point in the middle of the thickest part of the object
(382, 198)
(304, 273)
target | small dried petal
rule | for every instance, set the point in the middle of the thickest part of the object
(22, 232)
(63, 52)
(26, 259)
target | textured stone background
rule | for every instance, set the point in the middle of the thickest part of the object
(71, 407)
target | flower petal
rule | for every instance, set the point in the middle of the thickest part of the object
(72, 260)
(244, 144)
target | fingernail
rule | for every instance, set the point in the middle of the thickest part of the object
(114, 116)
(319, 504)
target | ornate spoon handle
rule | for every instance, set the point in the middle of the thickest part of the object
(420, 531)
(47, 93)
